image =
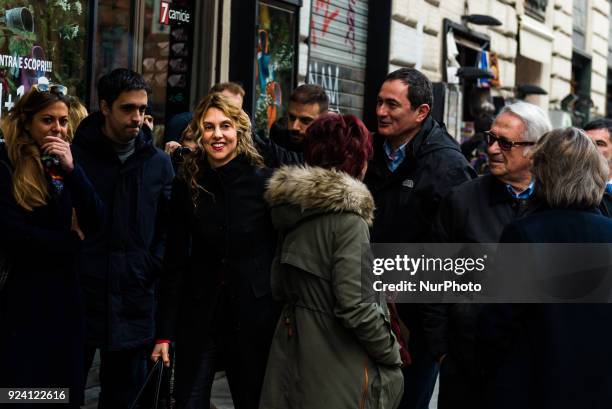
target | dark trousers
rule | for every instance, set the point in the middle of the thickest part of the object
(459, 386)
(419, 382)
(122, 374)
(196, 366)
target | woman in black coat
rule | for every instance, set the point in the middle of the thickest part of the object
(41, 331)
(554, 355)
(215, 294)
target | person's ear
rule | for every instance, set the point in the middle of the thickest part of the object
(423, 111)
(105, 108)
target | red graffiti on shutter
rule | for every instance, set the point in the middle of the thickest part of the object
(328, 17)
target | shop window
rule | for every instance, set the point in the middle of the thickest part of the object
(166, 59)
(42, 39)
(274, 62)
(112, 39)
(154, 38)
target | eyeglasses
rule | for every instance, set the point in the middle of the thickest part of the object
(504, 144)
(54, 88)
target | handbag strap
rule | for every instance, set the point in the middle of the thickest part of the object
(157, 365)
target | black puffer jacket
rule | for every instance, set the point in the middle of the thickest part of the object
(407, 200)
(119, 266)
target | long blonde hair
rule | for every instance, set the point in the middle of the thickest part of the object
(191, 167)
(30, 186)
(76, 114)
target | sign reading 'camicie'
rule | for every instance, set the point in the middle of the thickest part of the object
(169, 15)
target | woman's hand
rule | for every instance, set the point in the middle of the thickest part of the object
(57, 146)
(171, 147)
(161, 351)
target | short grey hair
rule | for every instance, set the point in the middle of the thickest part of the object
(568, 169)
(534, 118)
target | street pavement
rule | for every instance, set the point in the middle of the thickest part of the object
(220, 396)
(222, 399)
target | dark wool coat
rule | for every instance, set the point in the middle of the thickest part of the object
(41, 314)
(333, 346)
(119, 265)
(276, 155)
(217, 271)
(549, 355)
(474, 212)
(407, 200)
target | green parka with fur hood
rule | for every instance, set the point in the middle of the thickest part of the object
(333, 346)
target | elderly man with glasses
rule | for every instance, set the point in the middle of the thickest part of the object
(477, 212)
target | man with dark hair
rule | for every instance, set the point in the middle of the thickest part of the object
(415, 164)
(118, 267)
(284, 146)
(306, 103)
(600, 132)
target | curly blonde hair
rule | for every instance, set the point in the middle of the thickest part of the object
(30, 186)
(193, 162)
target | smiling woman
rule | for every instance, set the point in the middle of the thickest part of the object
(219, 138)
(215, 295)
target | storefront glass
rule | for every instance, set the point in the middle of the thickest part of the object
(148, 37)
(274, 65)
(42, 39)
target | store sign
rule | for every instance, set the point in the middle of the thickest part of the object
(13, 61)
(169, 15)
(43, 42)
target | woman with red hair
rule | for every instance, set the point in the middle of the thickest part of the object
(333, 346)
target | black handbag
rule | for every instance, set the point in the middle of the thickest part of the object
(158, 367)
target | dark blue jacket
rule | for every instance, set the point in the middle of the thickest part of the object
(549, 355)
(41, 315)
(120, 265)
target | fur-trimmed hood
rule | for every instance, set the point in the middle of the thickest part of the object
(301, 191)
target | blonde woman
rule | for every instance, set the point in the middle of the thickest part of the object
(76, 114)
(215, 296)
(42, 325)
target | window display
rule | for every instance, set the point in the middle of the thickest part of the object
(42, 39)
(274, 63)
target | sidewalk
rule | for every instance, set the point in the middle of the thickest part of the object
(220, 396)
(222, 399)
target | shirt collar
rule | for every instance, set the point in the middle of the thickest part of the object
(525, 194)
(394, 158)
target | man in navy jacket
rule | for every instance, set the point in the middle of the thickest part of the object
(415, 164)
(119, 266)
